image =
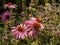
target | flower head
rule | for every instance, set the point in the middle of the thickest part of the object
(37, 20)
(33, 26)
(19, 32)
(10, 5)
(6, 16)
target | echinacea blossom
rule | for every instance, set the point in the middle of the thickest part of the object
(10, 5)
(37, 20)
(6, 16)
(19, 32)
(33, 27)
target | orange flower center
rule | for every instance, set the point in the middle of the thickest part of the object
(20, 28)
(38, 19)
(36, 26)
(9, 3)
(7, 17)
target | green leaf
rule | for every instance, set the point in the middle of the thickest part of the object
(34, 43)
(1, 28)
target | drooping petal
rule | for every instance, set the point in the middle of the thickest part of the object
(30, 33)
(42, 26)
(17, 36)
(22, 36)
(15, 32)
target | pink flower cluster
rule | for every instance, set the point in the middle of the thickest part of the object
(30, 28)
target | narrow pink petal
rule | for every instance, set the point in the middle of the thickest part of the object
(42, 26)
(30, 33)
(5, 5)
(13, 27)
(25, 33)
(17, 36)
(13, 30)
(33, 19)
(35, 32)
(16, 32)
(12, 6)
(22, 36)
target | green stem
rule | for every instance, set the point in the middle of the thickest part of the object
(11, 10)
(52, 39)
(5, 30)
(28, 41)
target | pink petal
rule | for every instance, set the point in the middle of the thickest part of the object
(5, 5)
(42, 26)
(12, 6)
(16, 32)
(25, 33)
(17, 36)
(30, 33)
(13, 30)
(33, 19)
(22, 36)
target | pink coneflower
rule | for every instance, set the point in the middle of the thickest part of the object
(37, 20)
(6, 16)
(10, 5)
(33, 27)
(19, 32)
